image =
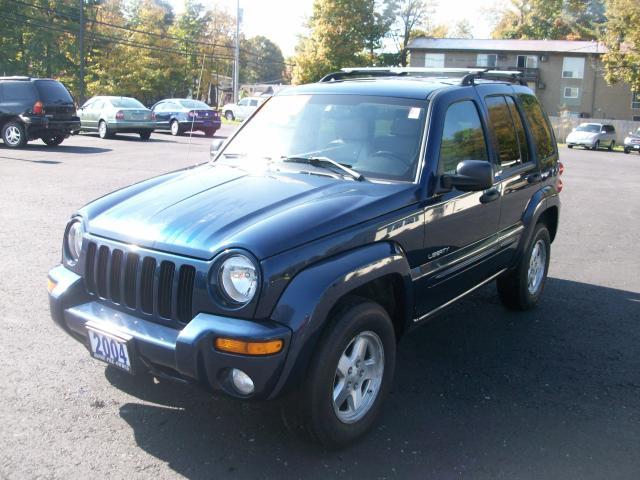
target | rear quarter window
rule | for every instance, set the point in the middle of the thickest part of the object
(18, 92)
(52, 92)
(540, 129)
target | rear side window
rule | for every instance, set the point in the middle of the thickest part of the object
(609, 129)
(505, 132)
(18, 92)
(462, 136)
(52, 92)
(539, 126)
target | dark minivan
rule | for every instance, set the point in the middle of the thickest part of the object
(32, 108)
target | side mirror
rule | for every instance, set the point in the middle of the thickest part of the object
(215, 147)
(470, 176)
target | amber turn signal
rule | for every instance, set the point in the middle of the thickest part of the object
(232, 345)
(50, 285)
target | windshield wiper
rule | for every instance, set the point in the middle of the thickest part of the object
(325, 162)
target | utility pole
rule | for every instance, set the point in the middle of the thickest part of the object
(81, 48)
(236, 59)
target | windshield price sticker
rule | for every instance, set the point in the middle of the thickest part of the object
(414, 113)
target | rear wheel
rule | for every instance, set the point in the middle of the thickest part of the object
(103, 130)
(145, 135)
(210, 132)
(613, 144)
(626, 150)
(14, 135)
(569, 146)
(349, 377)
(54, 140)
(175, 128)
(229, 115)
(521, 288)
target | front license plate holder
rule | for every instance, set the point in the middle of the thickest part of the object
(112, 347)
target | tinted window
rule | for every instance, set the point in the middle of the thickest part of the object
(52, 92)
(540, 128)
(522, 136)
(124, 102)
(609, 128)
(462, 137)
(18, 92)
(253, 103)
(502, 125)
(194, 104)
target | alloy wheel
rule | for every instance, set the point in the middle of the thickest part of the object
(537, 264)
(12, 135)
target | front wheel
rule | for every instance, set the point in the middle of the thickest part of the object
(103, 130)
(596, 145)
(14, 134)
(229, 115)
(175, 128)
(569, 146)
(54, 140)
(521, 289)
(626, 150)
(349, 377)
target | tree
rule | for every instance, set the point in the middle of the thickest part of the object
(411, 15)
(463, 29)
(339, 32)
(261, 60)
(622, 38)
(550, 19)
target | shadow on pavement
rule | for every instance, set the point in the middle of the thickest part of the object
(480, 392)
(35, 147)
(127, 137)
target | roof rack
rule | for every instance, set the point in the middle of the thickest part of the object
(469, 75)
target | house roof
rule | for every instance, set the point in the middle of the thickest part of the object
(491, 45)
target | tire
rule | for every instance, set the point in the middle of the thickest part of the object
(521, 289)
(626, 150)
(53, 141)
(145, 135)
(103, 130)
(229, 115)
(14, 134)
(312, 410)
(210, 132)
(613, 144)
(596, 145)
(569, 146)
(175, 128)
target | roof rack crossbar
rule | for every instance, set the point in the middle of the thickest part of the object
(469, 74)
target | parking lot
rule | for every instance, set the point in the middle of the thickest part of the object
(479, 393)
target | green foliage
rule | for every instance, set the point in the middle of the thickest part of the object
(622, 38)
(551, 20)
(261, 61)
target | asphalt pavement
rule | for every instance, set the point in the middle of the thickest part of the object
(479, 393)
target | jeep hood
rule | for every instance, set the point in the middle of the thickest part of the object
(204, 210)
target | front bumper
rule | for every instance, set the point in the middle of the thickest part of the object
(42, 125)
(186, 355)
(632, 146)
(581, 143)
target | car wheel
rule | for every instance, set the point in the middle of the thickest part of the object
(349, 376)
(103, 130)
(14, 134)
(54, 140)
(521, 289)
(175, 128)
(613, 144)
(229, 115)
(145, 135)
(569, 146)
(626, 150)
(596, 145)
(210, 132)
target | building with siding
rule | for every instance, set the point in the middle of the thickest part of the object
(565, 74)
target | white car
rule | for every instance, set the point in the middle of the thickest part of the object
(242, 109)
(593, 136)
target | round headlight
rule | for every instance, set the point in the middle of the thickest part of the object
(238, 279)
(74, 241)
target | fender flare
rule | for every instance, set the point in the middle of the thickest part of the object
(541, 201)
(308, 299)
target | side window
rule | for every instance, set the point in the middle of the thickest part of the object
(253, 103)
(522, 136)
(243, 102)
(502, 125)
(18, 92)
(539, 126)
(462, 136)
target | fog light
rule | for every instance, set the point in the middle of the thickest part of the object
(242, 382)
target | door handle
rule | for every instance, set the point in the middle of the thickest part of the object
(490, 195)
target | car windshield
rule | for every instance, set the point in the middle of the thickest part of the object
(53, 92)
(379, 137)
(194, 104)
(124, 102)
(589, 127)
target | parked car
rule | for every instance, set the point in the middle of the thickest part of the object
(179, 115)
(111, 115)
(343, 215)
(32, 108)
(593, 136)
(632, 142)
(243, 109)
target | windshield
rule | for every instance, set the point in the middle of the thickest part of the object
(379, 137)
(52, 92)
(124, 102)
(589, 127)
(194, 104)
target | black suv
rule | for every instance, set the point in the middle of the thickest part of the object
(33, 108)
(338, 218)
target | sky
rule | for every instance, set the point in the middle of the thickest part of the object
(283, 21)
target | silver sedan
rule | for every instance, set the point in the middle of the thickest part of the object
(111, 115)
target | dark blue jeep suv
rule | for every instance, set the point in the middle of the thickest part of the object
(341, 216)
